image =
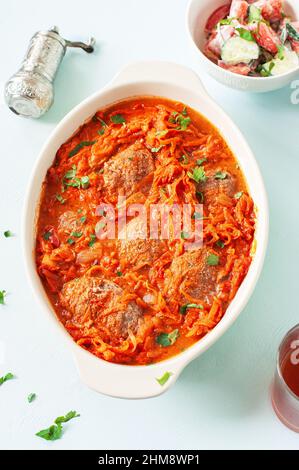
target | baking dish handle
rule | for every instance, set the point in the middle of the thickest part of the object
(159, 71)
(123, 381)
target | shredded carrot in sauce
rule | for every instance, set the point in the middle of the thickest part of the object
(141, 300)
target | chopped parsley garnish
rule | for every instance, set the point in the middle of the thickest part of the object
(184, 235)
(46, 236)
(183, 120)
(102, 122)
(119, 273)
(70, 241)
(245, 34)
(162, 133)
(60, 198)
(84, 182)
(213, 260)
(200, 196)
(84, 143)
(6, 377)
(8, 234)
(70, 174)
(75, 182)
(165, 377)
(54, 432)
(266, 72)
(220, 243)
(220, 175)
(167, 339)
(117, 119)
(2, 295)
(31, 397)
(225, 21)
(156, 149)
(184, 159)
(198, 174)
(76, 234)
(238, 195)
(92, 240)
(83, 219)
(183, 308)
(197, 216)
(201, 161)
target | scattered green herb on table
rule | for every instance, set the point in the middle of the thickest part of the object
(2, 295)
(54, 432)
(31, 397)
(6, 377)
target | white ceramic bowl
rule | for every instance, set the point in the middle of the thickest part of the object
(198, 13)
(177, 83)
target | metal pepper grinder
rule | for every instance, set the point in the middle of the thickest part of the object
(30, 91)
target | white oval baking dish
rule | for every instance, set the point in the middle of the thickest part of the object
(178, 83)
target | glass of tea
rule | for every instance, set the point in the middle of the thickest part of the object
(285, 388)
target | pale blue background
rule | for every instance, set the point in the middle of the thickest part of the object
(221, 400)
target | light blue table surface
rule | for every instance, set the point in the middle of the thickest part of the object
(221, 400)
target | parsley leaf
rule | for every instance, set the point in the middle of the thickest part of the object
(92, 240)
(156, 149)
(197, 216)
(117, 119)
(183, 308)
(245, 34)
(8, 234)
(84, 143)
(201, 161)
(238, 195)
(220, 175)
(6, 377)
(220, 243)
(165, 377)
(54, 432)
(84, 182)
(60, 198)
(64, 419)
(31, 397)
(184, 235)
(213, 260)
(2, 295)
(200, 196)
(70, 174)
(167, 339)
(198, 174)
(76, 234)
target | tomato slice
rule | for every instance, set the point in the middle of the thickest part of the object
(218, 15)
(267, 38)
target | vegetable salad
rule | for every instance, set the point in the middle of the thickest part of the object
(253, 38)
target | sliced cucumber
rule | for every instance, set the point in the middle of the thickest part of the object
(279, 66)
(237, 50)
